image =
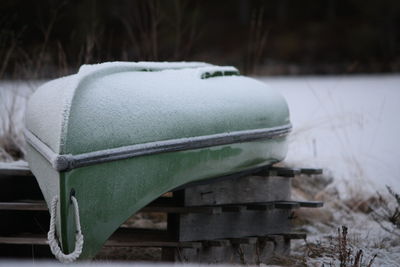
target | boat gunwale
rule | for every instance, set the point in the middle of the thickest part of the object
(66, 162)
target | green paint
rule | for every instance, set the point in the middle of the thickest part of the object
(109, 193)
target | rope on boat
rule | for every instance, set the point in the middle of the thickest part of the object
(53, 243)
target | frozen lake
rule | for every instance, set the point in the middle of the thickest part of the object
(349, 125)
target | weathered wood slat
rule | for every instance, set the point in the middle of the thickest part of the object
(192, 227)
(284, 172)
(123, 237)
(183, 210)
(311, 204)
(260, 206)
(286, 205)
(238, 191)
(287, 236)
(244, 254)
(252, 172)
(20, 169)
(216, 243)
(233, 208)
(39, 205)
(243, 240)
(291, 172)
(311, 171)
(24, 240)
(170, 208)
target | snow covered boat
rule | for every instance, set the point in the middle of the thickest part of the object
(116, 136)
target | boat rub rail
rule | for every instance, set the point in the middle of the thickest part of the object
(68, 162)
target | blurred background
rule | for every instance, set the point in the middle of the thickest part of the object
(48, 38)
(336, 62)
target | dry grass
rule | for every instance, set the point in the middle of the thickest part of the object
(11, 117)
(362, 243)
(386, 212)
(339, 251)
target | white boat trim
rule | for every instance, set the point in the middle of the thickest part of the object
(68, 162)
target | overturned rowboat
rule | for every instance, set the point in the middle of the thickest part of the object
(115, 136)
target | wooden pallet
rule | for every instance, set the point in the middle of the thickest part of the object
(240, 218)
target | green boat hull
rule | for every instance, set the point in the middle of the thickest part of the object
(109, 193)
(117, 137)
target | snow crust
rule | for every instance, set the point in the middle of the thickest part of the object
(142, 107)
(119, 104)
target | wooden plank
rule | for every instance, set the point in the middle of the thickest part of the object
(216, 243)
(239, 191)
(286, 204)
(41, 206)
(38, 205)
(123, 237)
(194, 227)
(284, 172)
(15, 169)
(293, 235)
(150, 243)
(255, 171)
(182, 210)
(291, 172)
(245, 254)
(260, 206)
(311, 204)
(24, 240)
(311, 171)
(233, 208)
(243, 240)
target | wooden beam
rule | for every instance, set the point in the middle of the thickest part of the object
(38, 205)
(233, 208)
(239, 191)
(24, 240)
(216, 243)
(311, 204)
(284, 172)
(311, 171)
(22, 169)
(286, 204)
(123, 237)
(243, 240)
(260, 206)
(289, 235)
(194, 227)
(183, 210)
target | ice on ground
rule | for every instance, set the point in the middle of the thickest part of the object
(347, 124)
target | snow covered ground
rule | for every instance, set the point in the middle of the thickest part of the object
(347, 124)
(350, 126)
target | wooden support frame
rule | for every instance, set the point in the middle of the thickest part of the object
(208, 222)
